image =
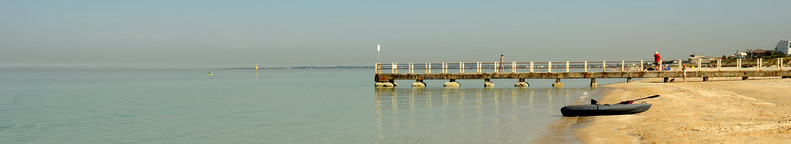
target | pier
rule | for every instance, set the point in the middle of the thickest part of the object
(386, 74)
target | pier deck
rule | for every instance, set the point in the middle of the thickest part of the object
(577, 75)
(577, 70)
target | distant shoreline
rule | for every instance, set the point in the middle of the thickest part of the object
(309, 67)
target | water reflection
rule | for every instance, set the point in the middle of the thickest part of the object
(500, 115)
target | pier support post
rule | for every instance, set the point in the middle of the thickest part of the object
(521, 83)
(665, 80)
(488, 83)
(419, 83)
(389, 83)
(628, 80)
(705, 79)
(452, 84)
(593, 82)
(557, 83)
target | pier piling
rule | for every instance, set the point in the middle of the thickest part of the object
(557, 83)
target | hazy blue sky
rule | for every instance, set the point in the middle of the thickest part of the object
(219, 34)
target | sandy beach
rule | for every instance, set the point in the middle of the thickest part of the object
(722, 110)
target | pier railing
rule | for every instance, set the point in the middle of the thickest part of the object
(572, 66)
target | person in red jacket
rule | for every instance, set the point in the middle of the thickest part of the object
(657, 61)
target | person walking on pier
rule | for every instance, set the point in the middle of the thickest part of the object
(501, 63)
(657, 61)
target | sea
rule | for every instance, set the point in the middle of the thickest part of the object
(274, 106)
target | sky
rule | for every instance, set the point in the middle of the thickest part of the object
(223, 34)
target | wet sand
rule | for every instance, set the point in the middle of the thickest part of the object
(722, 110)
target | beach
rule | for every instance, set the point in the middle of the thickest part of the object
(721, 110)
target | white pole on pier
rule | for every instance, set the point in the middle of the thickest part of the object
(461, 67)
(378, 49)
(779, 63)
(478, 67)
(586, 66)
(623, 65)
(603, 66)
(567, 66)
(549, 67)
(680, 64)
(719, 64)
(513, 66)
(531, 66)
(760, 61)
(443, 67)
(641, 66)
(411, 68)
(739, 64)
(429, 67)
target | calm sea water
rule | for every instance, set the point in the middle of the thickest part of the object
(271, 106)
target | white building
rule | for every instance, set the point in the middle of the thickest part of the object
(783, 46)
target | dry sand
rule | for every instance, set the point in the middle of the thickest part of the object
(722, 110)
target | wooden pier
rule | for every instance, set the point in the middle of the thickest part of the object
(570, 70)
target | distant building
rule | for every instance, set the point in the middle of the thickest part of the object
(760, 52)
(783, 46)
(740, 54)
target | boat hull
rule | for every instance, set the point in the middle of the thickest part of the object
(594, 110)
